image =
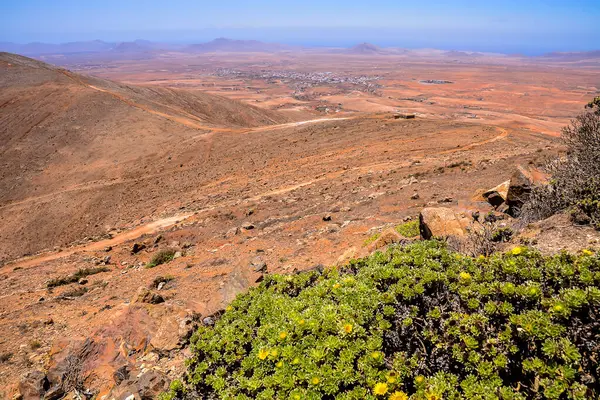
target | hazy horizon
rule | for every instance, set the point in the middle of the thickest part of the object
(505, 27)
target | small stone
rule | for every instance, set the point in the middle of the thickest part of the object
(177, 254)
(327, 217)
(208, 321)
(144, 295)
(160, 286)
(415, 196)
(41, 299)
(446, 200)
(247, 226)
(82, 281)
(258, 265)
(108, 248)
(106, 260)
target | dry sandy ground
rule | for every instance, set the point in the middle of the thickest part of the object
(197, 183)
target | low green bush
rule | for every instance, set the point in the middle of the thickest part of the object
(409, 229)
(418, 322)
(162, 257)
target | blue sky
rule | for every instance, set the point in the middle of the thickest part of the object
(527, 26)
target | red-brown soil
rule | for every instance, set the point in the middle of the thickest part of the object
(118, 164)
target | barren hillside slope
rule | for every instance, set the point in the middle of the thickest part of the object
(66, 142)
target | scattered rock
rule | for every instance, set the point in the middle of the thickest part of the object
(157, 239)
(160, 286)
(247, 226)
(108, 248)
(137, 247)
(327, 217)
(146, 385)
(208, 321)
(387, 237)
(144, 295)
(440, 222)
(106, 260)
(177, 254)
(415, 196)
(446, 200)
(82, 281)
(258, 265)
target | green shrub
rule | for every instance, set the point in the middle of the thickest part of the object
(81, 273)
(409, 229)
(162, 257)
(417, 321)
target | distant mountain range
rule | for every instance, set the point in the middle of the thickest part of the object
(145, 47)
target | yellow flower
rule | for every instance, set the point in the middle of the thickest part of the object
(419, 379)
(516, 251)
(347, 328)
(282, 335)
(297, 396)
(398, 396)
(296, 361)
(375, 355)
(336, 286)
(465, 276)
(587, 252)
(432, 396)
(274, 353)
(392, 377)
(229, 308)
(559, 308)
(279, 364)
(263, 353)
(315, 381)
(380, 389)
(301, 322)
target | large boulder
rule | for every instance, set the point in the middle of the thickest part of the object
(497, 195)
(441, 222)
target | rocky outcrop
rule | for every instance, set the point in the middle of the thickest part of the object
(440, 222)
(520, 186)
(33, 385)
(123, 357)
